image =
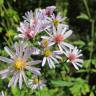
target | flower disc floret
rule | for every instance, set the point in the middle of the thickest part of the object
(19, 64)
(47, 52)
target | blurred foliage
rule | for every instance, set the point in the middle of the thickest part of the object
(61, 82)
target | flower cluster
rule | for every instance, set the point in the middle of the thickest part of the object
(52, 47)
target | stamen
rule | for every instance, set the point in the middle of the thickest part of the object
(56, 22)
(19, 64)
(47, 53)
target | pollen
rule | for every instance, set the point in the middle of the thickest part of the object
(47, 52)
(19, 64)
(56, 22)
(58, 38)
(44, 43)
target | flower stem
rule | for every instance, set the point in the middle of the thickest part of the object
(87, 8)
(92, 39)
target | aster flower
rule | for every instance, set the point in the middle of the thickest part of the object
(55, 20)
(45, 43)
(36, 18)
(73, 56)
(50, 57)
(19, 64)
(27, 32)
(36, 83)
(48, 11)
(58, 36)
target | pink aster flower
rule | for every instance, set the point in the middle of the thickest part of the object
(73, 56)
(36, 18)
(58, 36)
(19, 64)
(27, 32)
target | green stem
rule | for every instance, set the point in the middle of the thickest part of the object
(40, 2)
(92, 38)
(87, 8)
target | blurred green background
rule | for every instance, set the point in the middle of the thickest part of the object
(64, 81)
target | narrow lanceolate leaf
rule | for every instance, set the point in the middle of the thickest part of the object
(83, 16)
(61, 83)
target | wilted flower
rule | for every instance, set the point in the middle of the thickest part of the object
(58, 36)
(36, 83)
(73, 56)
(19, 64)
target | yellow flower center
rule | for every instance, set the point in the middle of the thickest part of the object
(36, 80)
(56, 22)
(47, 52)
(44, 43)
(19, 64)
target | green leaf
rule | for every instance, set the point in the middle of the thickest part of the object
(15, 91)
(94, 61)
(79, 43)
(86, 64)
(1, 29)
(44, 92)
(61, 83)
(91, 94)
(85, 89)
(1, 2)
(83, 16)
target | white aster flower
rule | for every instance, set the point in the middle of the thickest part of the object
(45, 43)
(36, 83)
(55, 20)
(19, 64)
(73, 56)
(58, 36)
(50, 57)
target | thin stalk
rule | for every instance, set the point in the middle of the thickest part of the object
(92, 38)
(87, 8)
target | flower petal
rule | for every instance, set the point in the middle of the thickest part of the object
(44, 61)
(67, 34)
(4, 59)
